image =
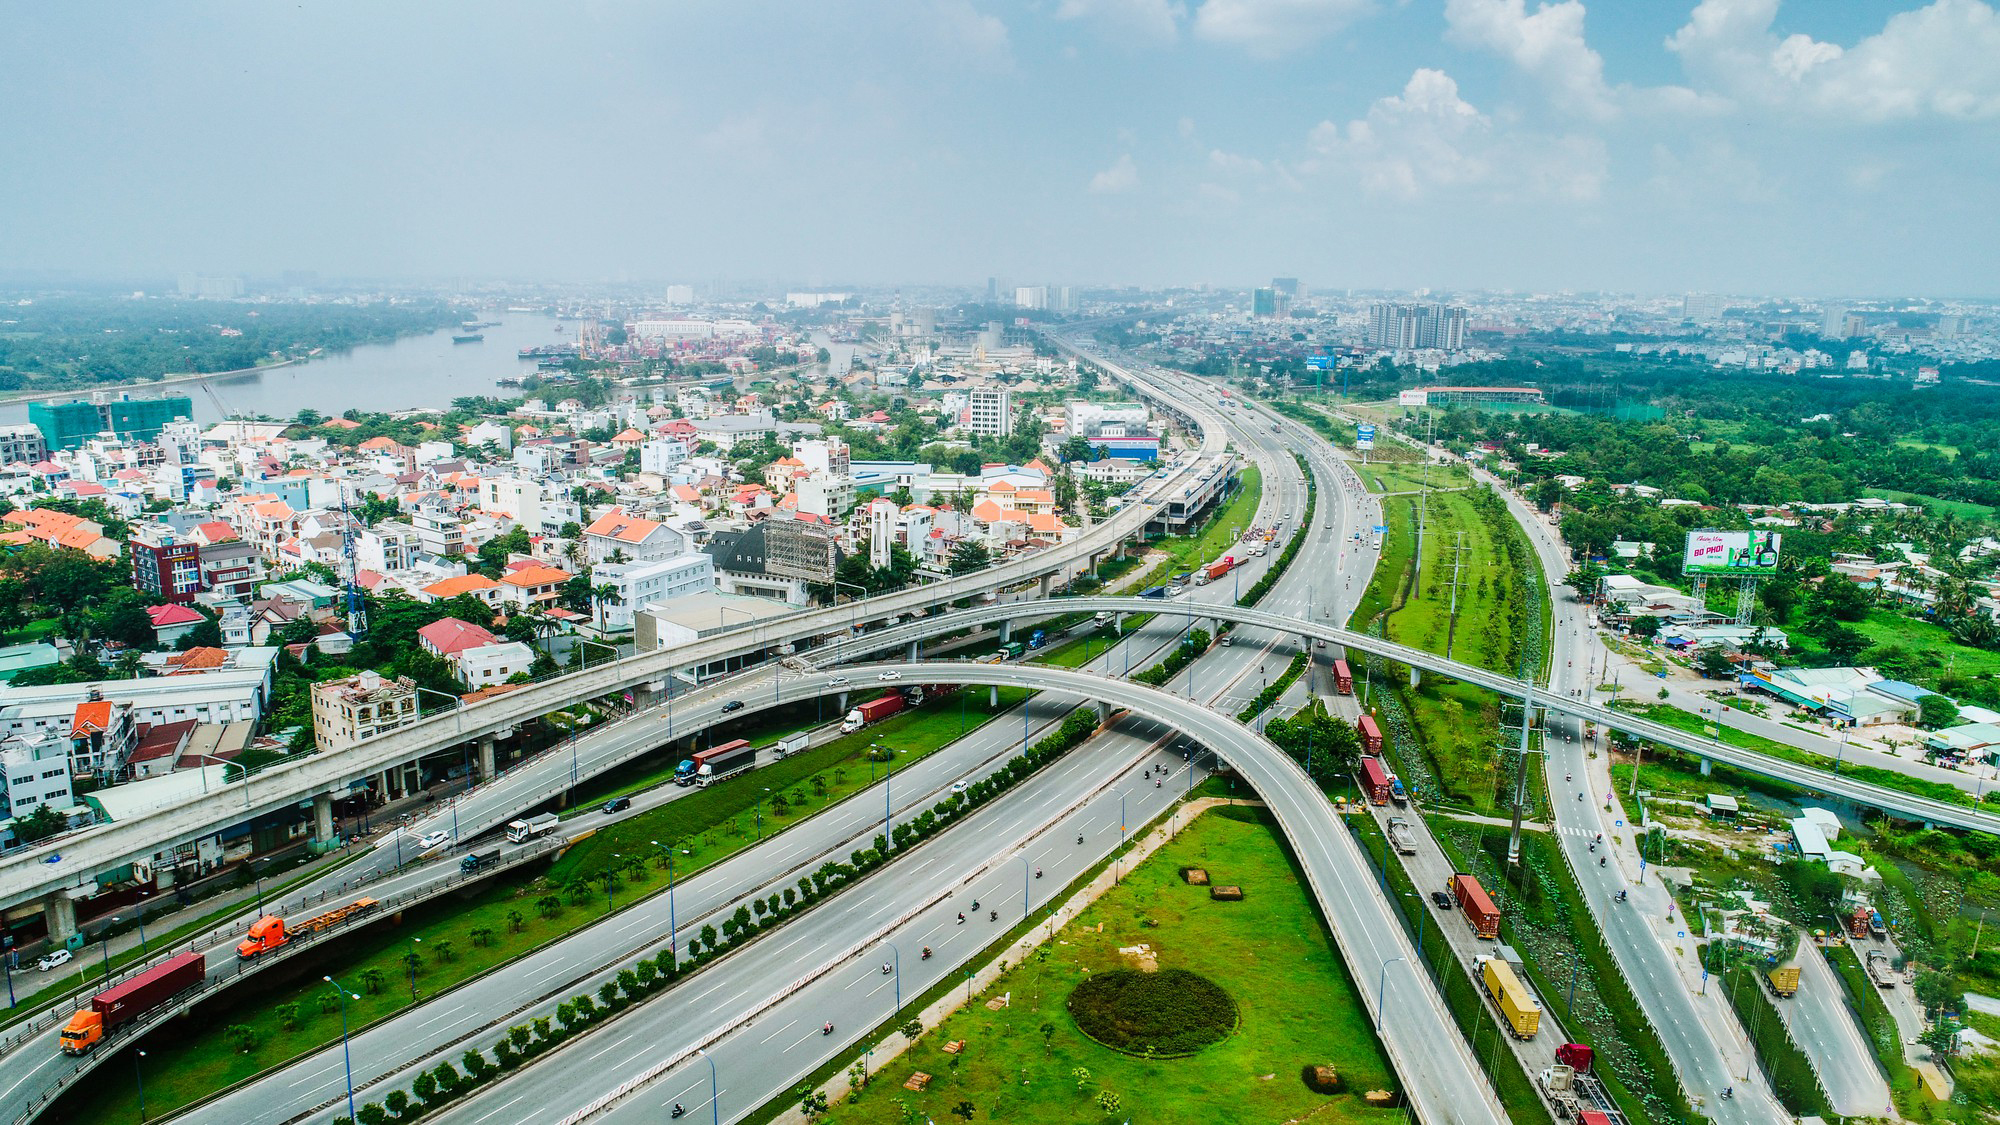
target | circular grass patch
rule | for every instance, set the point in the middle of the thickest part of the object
(1160, 1015)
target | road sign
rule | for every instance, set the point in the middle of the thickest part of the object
(1381, 529)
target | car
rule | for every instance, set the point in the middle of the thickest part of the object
(1319, 644)
(617, 804)
(838, 681)
(1442, 899)
(732, 705)
(888, 676)
(957, 787)
(431, 840)
(1227, 640)
(53, 959)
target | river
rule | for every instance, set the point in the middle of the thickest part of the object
(415, 372)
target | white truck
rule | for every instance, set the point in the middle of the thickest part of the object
(792, 744)
(521, 831)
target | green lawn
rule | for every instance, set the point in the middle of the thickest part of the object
(1962, 508)
(1927, 651)
(1223, 528)
(1296, 1006)
(1395, 477)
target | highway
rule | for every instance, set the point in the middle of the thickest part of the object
(1701, 1032)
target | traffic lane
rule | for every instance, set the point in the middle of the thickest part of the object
(385, 1047)
(712, 998)
(1825, 1028)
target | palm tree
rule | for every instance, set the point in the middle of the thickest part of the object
(601, 595)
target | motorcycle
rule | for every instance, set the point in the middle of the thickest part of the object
(1038, 872)
(993, 916)
(885, 968)
(1601, 861)
(678, 1111)
(827, 1030)
(927, 953)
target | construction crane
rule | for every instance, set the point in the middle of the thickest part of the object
(357, 602)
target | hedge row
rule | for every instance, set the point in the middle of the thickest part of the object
(1273, 690)
(1193, 646)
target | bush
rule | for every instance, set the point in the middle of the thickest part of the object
(1163, 1014)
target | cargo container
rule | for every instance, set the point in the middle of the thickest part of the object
(1371, 734)
(128, 1001)
(1576, 1056)
(1219, 567)
(1880, 970)
(1375, 780)
(521, 831)
(873, 711)
(1593, 1117)
(1401, 837)
(719, 763)
(1784, 980)
(270, 932)
(792, 743)
(1480, 913)
(477, 860)
(1343, 678)
(1012, 650)
(1523, 1013)
(1397, 793)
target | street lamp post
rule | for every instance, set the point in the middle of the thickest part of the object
(104, 948)
(347, 1058)
(610, 876)
(1025, 894)
(1382, 990)
(714, 1092)
(758, 812)
(414, 958)
(140, 1075)
(899, 972)
(673, 926)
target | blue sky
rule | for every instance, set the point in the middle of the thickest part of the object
(1735, 145)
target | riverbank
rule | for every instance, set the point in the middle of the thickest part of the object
(85, 389)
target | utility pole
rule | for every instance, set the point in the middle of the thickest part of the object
(1424, 491)
(1451, 622)
(1521, 776)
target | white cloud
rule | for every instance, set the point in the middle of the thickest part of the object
(972, 35)
(1936, 61)
(1548, 44)
(1274, 27)
(1234, 163)
(1428, 140)
(1146, 21)
(1122, 176)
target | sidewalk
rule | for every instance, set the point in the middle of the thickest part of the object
(877, 1057)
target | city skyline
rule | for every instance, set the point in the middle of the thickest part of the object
(1733, 146)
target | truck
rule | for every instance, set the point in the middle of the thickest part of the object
(720, 763)
(1522, 1011)
(1397, 793)
(873, 711)
(270, 932)
(1101, 618)
(1036, 638)
(1259, 548)
(1214, 570)
(1880, 970)
(1784, 980)
(1153, 592)
(477, 860)
(1012, 650)
(1343, 677)
(1401, 837)
(1371, 734)
(1480, 913)
(521, 831)
(1375, 781)
(128, 1001)
(792, 743)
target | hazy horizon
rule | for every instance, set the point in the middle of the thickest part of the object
(1732, 146)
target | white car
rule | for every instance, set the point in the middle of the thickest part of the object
(53, 959)
(838, 681)
(887, 676)
(957, 787)
(431, 840)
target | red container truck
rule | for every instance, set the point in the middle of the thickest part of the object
(130, 1000)
(1371, 735)
(873, 711)
(1220, 567)
(1343, 679)
(1576, 1056)
(1480, 913)
(1375, 780)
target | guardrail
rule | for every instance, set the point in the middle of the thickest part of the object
(213, 985)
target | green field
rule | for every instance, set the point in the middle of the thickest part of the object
(1396, 477)
(1222, 529)
(1960, 508)
(1927, 650)
(1297, 1007)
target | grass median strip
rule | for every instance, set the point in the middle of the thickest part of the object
(452, 941)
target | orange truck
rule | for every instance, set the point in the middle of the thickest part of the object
(130, 1000)
(270, 932)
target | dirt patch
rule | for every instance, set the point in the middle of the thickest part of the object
(1143, 957)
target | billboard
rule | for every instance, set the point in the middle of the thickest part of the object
(1319, 363)
(1413, 398)
(1740, 554)
(1364, 436)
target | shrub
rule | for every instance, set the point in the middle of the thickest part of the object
(1171, 1012)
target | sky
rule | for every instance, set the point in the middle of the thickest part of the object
(1812, 147)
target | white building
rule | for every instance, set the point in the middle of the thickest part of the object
(359, 707)
(493, 664)
(828, 496)
(989, 410)
(517, 498)
(389, 546)
(37, 773)
(640, 584)
(662, 455)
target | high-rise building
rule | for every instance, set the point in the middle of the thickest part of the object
(680, 294)
(67, 425)
(992, 290)
(1833, 321)
(1031, 297)
(989, 410)
(211, 288)
(1064, 299)
(164, 565)
(1950, 326)
(1416, 326)
(1703, 308)
(1269, 302)
(1288, 286)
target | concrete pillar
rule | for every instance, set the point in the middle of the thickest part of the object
(59, 911)
(915, 652)
(486, 766)
(1047, 585)
(388, 785)
(1416, 677)
(993, 695)
(322, 816)
(1707, 767)
(1103, 712)
(843, 702)
(1006, 630)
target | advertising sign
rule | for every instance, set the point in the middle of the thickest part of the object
(1413, 398)
(1364, 436)
(1740, 554)
(1319, 363)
